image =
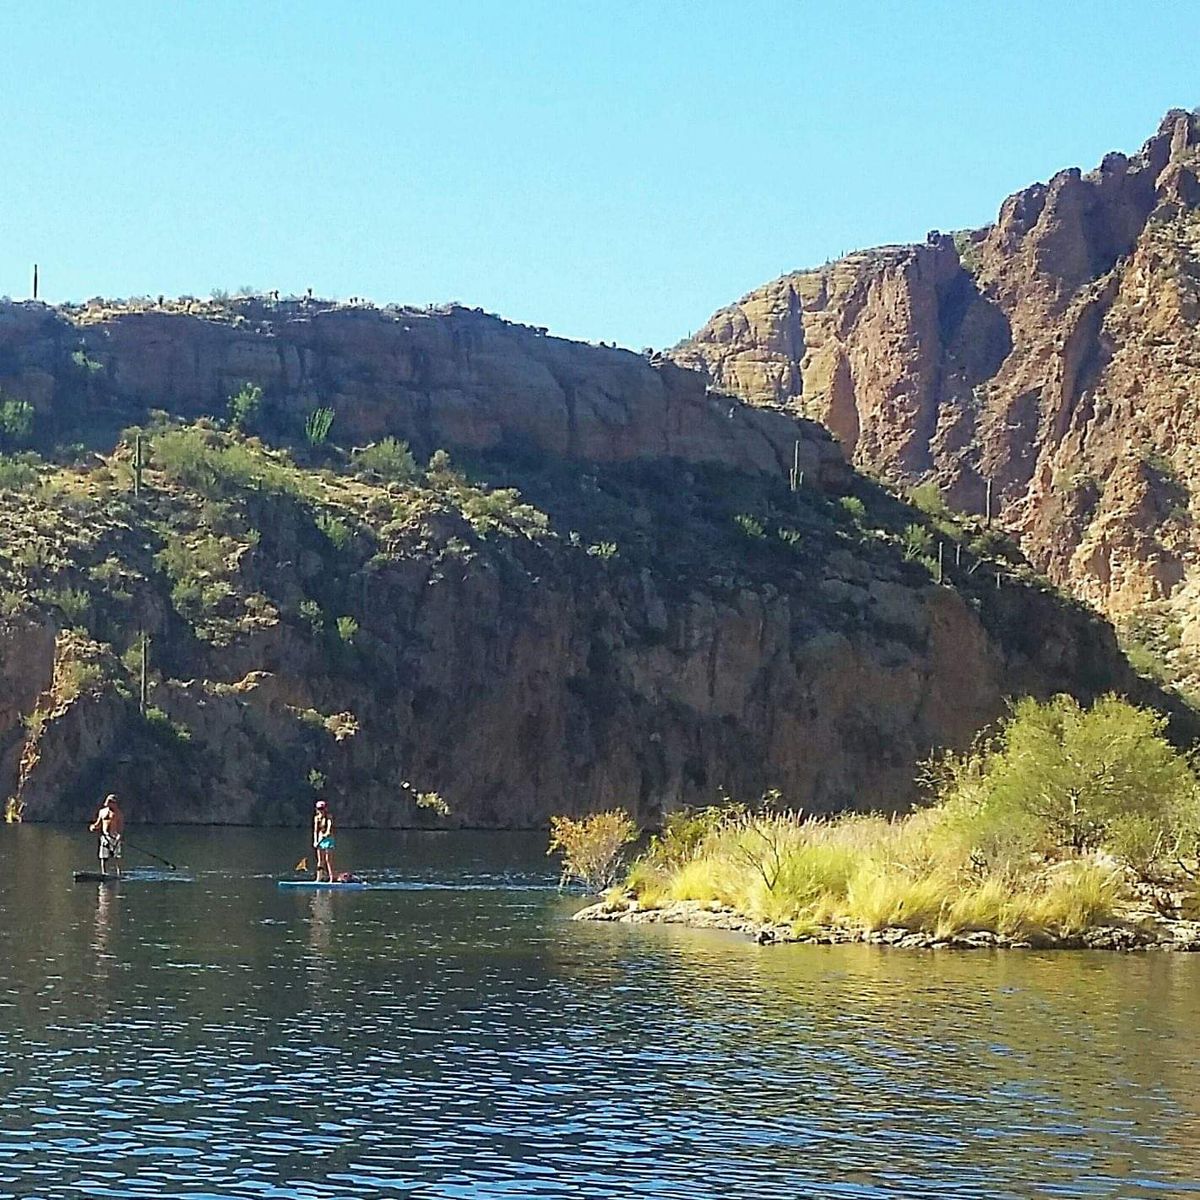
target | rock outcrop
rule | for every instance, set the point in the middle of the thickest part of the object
(454, 378)
(1054, 355)
(656, 617)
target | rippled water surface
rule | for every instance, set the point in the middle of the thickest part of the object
(458, 1037)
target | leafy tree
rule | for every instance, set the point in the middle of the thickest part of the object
(1103, 778)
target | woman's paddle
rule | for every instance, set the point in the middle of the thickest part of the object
(150, 854)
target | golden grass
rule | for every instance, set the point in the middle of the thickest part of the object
(874, 872)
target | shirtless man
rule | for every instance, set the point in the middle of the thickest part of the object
(110, 824)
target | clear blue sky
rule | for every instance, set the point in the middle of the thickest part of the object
(615, 171)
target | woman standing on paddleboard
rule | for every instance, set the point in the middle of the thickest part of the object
(323, 841)
(110, 824)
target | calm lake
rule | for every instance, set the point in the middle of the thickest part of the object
(457, 1036)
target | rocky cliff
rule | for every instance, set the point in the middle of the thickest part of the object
(609, 591)
(1053, 354)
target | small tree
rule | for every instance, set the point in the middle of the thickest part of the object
(591, 846)
(1063, 777)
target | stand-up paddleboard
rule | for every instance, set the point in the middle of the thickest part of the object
(356, 885)
(95, 877)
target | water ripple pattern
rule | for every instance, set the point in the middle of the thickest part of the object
(203, 1034)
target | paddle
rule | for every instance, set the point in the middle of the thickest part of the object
(150, 854)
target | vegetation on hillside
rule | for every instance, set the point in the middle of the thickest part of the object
(1047, 828)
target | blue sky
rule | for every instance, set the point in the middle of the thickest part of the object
(615, 171)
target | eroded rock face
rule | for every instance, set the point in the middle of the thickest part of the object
(522, 686)
(454, 379)
(1054, 354)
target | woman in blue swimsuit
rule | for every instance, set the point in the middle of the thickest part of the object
(323, 841)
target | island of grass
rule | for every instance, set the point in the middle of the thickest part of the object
(1069, 827)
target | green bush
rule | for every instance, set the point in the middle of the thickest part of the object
(1103, 778)
(854, 508)
(16, 422)
(220, 466)
(752, 527)
(73, 603)
(347, 629)
(916, 542)
(88, 366)
(244, 406)
(389, 460)
(170, 733)
(318, 425)
(310, 610)
(928, 499)
(18, 472)
(335, 530)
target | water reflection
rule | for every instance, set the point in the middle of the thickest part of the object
(462, 1039)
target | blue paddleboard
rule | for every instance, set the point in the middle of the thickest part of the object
(311, 885)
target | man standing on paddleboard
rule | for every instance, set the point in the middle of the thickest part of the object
(110, 824)
(323, 841)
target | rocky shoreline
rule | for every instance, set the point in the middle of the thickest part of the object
(1143, 932)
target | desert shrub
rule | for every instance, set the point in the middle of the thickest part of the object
(169, 733)
(1030, 834)
(219, 466)
(244, 406)
(854, 508)
(591, 846)
(73, 603)
(751, 526)
(927, 498)
(74, 677)
(84, 364)
(18, 472)
(501, 509)
(311, 612)
(432, 802)
(390, 460)
(916, 542)
(336, 531)
(317, 426)
(16, 422)
(1103, 778)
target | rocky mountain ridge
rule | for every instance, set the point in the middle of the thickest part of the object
(1052, 357)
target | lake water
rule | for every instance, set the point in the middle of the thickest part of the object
(459, 1037)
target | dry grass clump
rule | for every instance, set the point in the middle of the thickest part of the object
(1040, 831)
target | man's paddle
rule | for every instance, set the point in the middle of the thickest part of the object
(150, 854)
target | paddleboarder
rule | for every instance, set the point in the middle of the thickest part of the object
(323, 841)
(110, 824)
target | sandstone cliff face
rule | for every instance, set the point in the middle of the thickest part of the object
(454, 378)
(657, 617)
(1053, 353)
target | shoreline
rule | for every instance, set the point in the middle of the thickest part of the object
(1154, 933)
